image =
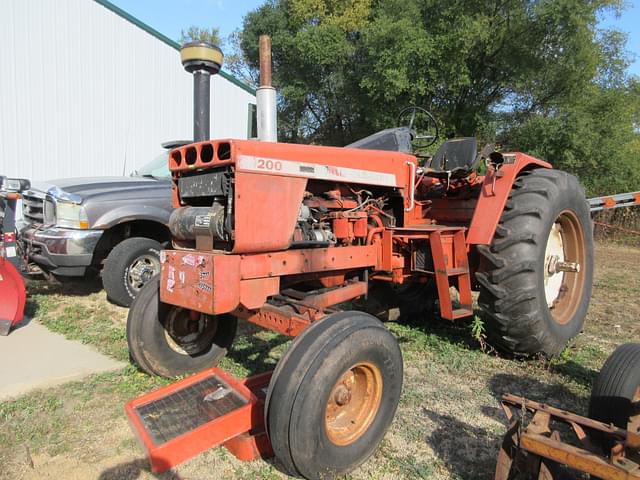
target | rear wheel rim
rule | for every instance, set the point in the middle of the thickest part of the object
(188, 332)
(353, 403)
(141, 270)
(565, 252)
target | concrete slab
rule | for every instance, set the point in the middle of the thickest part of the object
(33, 357)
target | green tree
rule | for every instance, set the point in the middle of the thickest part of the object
(534, 74)
(595, 137)
(194, 33)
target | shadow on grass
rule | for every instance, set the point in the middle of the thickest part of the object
(253, 348)
(456, 333)
(525, 386)
(467, 451)
(582, 375)
(133, 469)
(38, 291)
(470, 451)
(78, 287)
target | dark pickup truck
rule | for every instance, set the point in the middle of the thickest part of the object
(113, 225)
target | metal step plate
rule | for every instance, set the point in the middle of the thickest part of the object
(176, 422)
(188, 408)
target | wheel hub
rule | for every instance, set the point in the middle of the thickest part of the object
(188, 332)
(563, 278)
(142, 269)
(353, 403)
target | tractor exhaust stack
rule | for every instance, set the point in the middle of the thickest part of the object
(202, 59)
(266, 96)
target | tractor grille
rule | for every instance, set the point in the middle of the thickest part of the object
(188, 408)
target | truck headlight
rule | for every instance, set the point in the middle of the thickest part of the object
(70, 215)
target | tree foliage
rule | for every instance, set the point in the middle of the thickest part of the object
(194, 33)
(535, 74)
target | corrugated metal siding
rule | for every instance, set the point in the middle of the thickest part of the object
(85, 92)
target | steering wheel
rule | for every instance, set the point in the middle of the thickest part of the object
(423, 126)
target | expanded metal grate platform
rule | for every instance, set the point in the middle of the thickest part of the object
(188, 408)
(208, 409)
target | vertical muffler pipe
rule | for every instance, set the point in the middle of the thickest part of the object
(266, 96)
(202, 59)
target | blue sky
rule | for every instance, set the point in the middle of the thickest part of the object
(171, 16)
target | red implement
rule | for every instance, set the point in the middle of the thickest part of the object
(211, 408)
(12, 296)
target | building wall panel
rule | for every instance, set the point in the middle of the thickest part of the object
(85, 92)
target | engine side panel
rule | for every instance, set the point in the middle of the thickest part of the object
(266, 209)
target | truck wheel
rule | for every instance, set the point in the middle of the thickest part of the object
(168, 340)
(615, 395)
(333, 395)
(532, 299)
(128, 267)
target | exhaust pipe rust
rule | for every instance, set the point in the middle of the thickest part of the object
(266, 96)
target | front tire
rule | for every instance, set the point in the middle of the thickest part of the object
(128, 267)
(530, 299)
(169, 341)
(333, 395)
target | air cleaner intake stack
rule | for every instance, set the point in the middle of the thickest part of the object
(266, 96)
(202, 59)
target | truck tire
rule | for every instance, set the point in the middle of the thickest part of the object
(616, 390)
(333, 395)
(528, 300)
(131, 264)
(163, 341)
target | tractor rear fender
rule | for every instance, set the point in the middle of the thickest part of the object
(494, 194)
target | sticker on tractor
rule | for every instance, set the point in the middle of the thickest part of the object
(189, 260)
(171, 282)
(205, 287)
(202, 221)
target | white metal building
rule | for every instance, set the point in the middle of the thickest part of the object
(86, 89)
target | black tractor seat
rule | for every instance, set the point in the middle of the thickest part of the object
(456, 158)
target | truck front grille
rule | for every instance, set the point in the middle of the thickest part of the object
(33, 208)
(36, 209)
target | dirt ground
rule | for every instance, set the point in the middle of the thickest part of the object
(448, 425)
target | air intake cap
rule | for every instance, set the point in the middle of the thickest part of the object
(201, 55)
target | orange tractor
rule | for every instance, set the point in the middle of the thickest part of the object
(279, 235)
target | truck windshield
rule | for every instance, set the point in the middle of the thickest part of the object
(157, 168)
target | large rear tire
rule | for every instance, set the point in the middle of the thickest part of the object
(333, 395)
(530, 300)
(167, 340)
(615, 395)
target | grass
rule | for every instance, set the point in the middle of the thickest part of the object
(448, 424)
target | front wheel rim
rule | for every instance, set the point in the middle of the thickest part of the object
(565, 267)
(188, 332)
(141, 270)
(353, 403)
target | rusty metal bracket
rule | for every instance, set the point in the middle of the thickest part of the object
(541, 445)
